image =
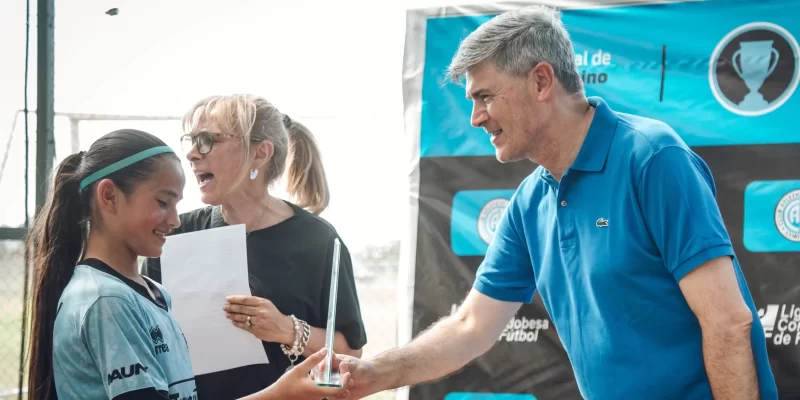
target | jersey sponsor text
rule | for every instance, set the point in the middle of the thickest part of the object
(126, 372)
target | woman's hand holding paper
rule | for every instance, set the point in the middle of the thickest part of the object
(266, 322)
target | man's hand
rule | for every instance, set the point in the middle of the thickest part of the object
(363, 375)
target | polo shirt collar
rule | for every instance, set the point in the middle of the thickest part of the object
(594, 150)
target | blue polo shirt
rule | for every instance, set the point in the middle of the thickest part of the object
(606, 248)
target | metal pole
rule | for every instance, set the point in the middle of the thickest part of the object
(24, 328)
(45, 143)
(74, 132)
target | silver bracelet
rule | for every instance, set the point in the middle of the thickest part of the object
(304, 339)
(302, 332)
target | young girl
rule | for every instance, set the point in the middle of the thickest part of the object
(101, 330)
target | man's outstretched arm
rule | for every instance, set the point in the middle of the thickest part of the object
(503, 282)
(445, 348)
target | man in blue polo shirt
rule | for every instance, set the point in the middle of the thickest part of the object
(618, 229)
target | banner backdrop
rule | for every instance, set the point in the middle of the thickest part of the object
(723, 74)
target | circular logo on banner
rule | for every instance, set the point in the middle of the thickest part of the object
(787, 216)
(489, 218)
(754, 69)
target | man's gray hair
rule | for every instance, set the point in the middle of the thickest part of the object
(516, 41)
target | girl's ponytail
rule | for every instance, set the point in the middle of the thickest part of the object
(56, 240)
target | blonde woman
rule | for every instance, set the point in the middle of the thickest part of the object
(238, 146)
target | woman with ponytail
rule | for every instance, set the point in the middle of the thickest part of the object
(99, 329)
(238, 147)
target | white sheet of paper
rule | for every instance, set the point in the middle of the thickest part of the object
(199, 270)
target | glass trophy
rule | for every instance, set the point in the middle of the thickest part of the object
(327, 377)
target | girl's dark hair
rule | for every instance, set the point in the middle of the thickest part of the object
(59, 233)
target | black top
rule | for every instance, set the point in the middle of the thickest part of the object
(290, 265)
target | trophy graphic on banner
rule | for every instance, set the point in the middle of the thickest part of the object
(754, 66)
(329, 377)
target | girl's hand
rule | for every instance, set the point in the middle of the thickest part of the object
(297, 384)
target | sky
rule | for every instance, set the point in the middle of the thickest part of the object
(335, 66)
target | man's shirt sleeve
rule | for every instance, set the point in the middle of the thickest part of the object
(678, 201)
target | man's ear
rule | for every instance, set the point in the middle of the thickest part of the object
(542, 79)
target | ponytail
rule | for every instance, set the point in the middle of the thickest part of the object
(56, 240)
(306, 180)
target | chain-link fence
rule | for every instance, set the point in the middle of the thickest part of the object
(12, 277)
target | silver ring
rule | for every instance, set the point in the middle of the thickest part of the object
(249, 324)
